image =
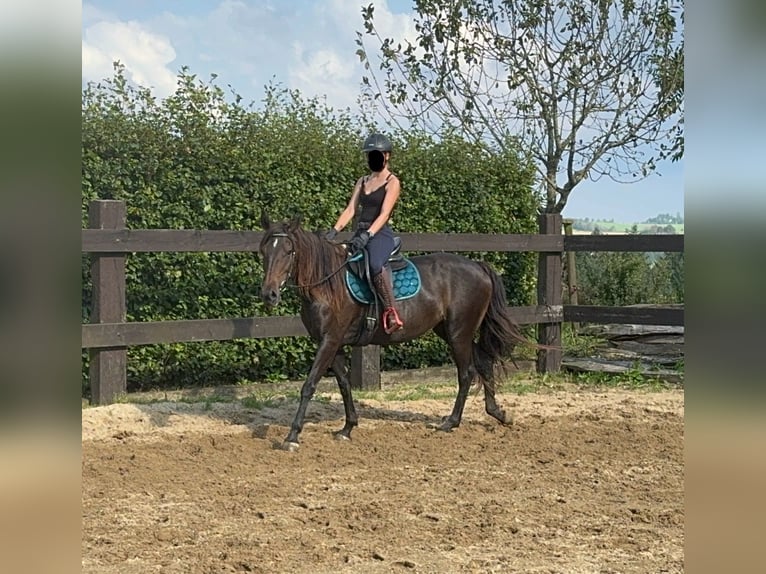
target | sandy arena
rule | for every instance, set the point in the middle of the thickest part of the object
(584, 482)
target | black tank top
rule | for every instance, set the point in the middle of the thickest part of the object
(371, 204)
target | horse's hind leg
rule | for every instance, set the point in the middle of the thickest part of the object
(341, 375)
(461, 347)
(491, 406)
(466, 373)
(485, 368)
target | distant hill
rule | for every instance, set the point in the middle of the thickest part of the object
(650, 226)
(665, 218)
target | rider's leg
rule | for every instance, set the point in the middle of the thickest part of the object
(379, 249)
(391, 320)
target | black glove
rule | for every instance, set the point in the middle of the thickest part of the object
(358, 242)
(331, 234)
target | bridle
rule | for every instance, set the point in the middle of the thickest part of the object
(291, 254)
(277, 235)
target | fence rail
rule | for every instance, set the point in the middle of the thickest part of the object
(109, 334)
(189, 240)
(624, 243)
(186, 240)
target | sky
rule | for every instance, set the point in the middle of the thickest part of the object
(304, 44)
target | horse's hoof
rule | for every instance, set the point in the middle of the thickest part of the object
(503, 418)
(443, 426)
(290, 446)
(340, 435)
(446, 426)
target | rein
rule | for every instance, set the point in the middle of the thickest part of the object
(323, 279)
(309, 285)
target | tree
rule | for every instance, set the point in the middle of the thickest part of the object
(592, 89)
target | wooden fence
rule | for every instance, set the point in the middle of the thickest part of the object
(109, 335)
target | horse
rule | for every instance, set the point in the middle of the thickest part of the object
(458, 297)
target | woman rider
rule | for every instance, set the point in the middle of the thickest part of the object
(376, 195)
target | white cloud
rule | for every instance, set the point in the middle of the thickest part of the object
(144, 54)
(324, 72)
(246, 44)
(324, 61)
(243, 43)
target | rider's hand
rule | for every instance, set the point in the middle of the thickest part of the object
(358, 242)
(331, 234)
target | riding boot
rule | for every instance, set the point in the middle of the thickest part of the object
(391, 320)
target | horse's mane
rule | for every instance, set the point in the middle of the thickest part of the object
(318, 273)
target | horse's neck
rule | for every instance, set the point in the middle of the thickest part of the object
(311, 268)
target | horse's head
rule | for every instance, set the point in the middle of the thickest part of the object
(278, 251)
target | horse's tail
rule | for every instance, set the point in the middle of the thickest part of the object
(498, 333)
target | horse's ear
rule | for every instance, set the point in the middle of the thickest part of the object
(295, 222)
(265, 222)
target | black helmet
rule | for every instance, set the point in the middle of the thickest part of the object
(377, 142)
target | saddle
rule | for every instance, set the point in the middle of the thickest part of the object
(405, 280)
(358, 263)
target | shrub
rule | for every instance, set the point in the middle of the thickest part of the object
(202, 160)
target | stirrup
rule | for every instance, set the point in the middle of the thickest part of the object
(394, 324)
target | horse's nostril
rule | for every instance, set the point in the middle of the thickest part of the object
(270, 296)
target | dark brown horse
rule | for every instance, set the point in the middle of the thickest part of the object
(458, 298)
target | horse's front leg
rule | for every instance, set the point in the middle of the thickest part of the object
(341, 375)
(325, 355)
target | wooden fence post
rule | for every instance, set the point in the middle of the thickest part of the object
(365, 367)
(571, 271)
(108, 367)
(549, 293)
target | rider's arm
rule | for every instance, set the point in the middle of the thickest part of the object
(348, 213)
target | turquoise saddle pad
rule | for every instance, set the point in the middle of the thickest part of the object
(406, 284)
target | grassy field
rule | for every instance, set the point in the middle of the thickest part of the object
(617, 227)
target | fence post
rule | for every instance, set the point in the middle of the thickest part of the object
(108, 367)
(571, 271)
(365, 367)
(549, 292)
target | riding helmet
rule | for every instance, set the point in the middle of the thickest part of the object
(377, 142)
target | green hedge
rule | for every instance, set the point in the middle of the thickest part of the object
(619, 279)
(201, 159)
